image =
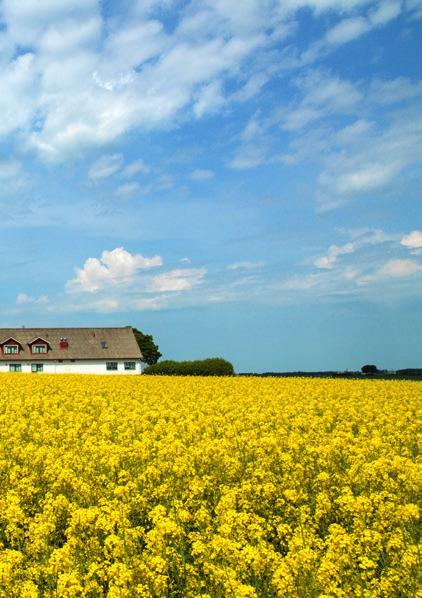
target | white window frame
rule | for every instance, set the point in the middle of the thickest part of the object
(38, 349)
(37, 367)
(7, 347)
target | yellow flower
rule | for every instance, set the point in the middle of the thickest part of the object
(235, 487)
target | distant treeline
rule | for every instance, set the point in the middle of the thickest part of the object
(408, 374)
(214, 366)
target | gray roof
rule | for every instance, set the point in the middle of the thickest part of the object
(83, 343)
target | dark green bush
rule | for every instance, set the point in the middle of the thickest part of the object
(214, 366)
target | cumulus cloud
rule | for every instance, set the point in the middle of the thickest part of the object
(413, 240)
(84, 82)
(113, 267)
(178, 280)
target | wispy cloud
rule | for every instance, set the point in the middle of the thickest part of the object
(245, 265)
(328, 261)
(105, 166)
(201, 174)
(181, 279)
(136, 167)
(128, 189)
(24, 299)
(138, 74)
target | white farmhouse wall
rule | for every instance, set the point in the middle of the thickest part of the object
(90, 366)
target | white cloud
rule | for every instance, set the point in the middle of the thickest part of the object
(12, 177)
(328, 92)
(328, 261)
(415, 8)
(385, 12)
(298, 118)
(201, 175)
(322, 94)
(136, 167)
(10, 169)
(391, 91)
(27, 20)
(253, 129)
(248, 156)
(17, 81)
(347, 30)
(372, 163)
(364, 178)
(178, 280)
(300, 283)
(86, 80)
(150, 303)
(210, 99)
(105, 166)
(400, 268)
(246, 265)
(354, 132)
(127, 190)
(106, 305)
(413, 241)
(24, 299)
(114, 267)
(393, 269)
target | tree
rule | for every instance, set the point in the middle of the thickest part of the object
(369, 369)
(149, 350)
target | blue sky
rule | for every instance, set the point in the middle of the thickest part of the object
(240, 179)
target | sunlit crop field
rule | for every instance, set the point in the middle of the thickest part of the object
(236, 487)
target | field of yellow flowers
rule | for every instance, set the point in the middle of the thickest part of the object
(227, 487)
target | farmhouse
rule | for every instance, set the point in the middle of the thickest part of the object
(70, 350)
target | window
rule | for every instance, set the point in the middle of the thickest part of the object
(104, 345)
(15, 367)
(130, 365)
(111, 365)
(11, 349)
(37, 367)
(39, 349)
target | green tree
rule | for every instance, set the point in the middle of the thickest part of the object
(369, 369)
(149, 350)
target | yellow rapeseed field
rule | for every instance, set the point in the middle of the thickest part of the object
(188, 487)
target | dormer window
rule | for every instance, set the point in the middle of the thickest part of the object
(11, 349)
(39, 348)
(10, 346)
